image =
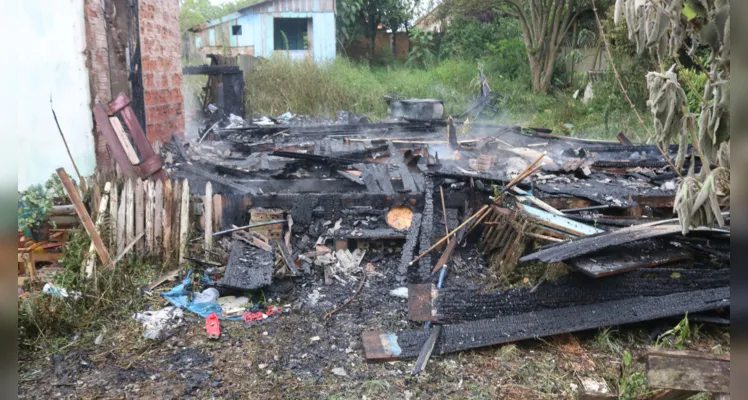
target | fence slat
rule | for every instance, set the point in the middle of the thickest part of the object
(139, 211)
(113, 215)
(175, 221)
(217, 212)
(121, 223)
(158, 215)
(208, 213)
(150, 202)
(129, 211)
(184, 221)
(168, 207)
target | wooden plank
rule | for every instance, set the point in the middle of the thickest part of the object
(688, 370)
(168, 207)
(184, 220)
(113, 215)
(559, 222)
(139, 211)
(150, 203)
(542, 323)
(208, 214)
(217, 212)
(158, 217)
(628, 257)
(80, 209)
(129, 211)
(121, 223)
(124, 141)
(175, 217)
(90, 262)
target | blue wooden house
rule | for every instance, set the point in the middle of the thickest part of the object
(298, 28)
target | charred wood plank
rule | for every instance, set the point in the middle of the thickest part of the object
(371, 234)
(628, 257)
(218, 179)
(425, 303)
(408, 248)
(512, 328)
(423, 271)
(592, 243)
(326, 160)
(249, 267)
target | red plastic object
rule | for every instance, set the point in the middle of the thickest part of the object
(212, 326)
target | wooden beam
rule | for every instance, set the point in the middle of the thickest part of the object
(114, 214)
(688, 370)
(124, 141)
(80, 209)
(158, 216)
(129, 211)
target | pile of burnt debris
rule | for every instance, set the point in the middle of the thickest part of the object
(595, 217)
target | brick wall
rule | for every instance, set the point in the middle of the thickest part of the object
(162, 68)
(97, 62)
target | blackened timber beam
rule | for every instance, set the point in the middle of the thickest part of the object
(327, 160)
(211, 70)
(423, 271)
(371, 234)
(425, 303)
(380, 345)
(409, 247)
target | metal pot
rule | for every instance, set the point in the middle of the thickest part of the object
(422, 109)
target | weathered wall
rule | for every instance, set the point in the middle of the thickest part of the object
(58, 68)
(162, 68)
(257, 36)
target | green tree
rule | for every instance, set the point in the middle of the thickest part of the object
(544, 23)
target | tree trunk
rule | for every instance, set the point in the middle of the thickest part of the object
(393, 45)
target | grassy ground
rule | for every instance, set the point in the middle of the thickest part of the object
(277, 86)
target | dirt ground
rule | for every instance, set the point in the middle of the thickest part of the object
(303, 355)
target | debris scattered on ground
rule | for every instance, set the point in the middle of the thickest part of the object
(158, 324)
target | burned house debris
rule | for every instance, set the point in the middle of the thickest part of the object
(598, 211)
(485, 234)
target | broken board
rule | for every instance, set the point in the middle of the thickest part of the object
(628, 257)
(380, 345)
(249, 267)
(426, 303)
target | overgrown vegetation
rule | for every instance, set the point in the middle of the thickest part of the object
(303, 87)
(47, 320)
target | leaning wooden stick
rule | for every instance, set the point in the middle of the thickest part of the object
(444, 211)
(86, 221)
(522, 178)
(81, 181)
(342, 306)
(529, 168)
(444, 239)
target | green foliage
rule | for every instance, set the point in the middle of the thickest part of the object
(348, 23)
(497, 43)
(693, 82)
(113, 293)
(54, 187)
(34, 207)
(633, 382)
(421, 49)
(676, 337)
(195, 12)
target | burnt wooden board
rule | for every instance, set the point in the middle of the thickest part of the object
(628, 257)
(593, 243)
(425, 303)
(511, 328)
(409, 247)
(688, 370)
(249, 268)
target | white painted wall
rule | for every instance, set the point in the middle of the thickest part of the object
(51, 62)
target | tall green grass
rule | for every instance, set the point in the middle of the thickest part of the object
(278, 85)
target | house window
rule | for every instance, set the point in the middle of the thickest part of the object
(295, 31)
(236, 30)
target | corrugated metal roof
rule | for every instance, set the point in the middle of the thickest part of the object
(272, 7)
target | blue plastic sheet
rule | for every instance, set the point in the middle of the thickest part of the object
(179, 296)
